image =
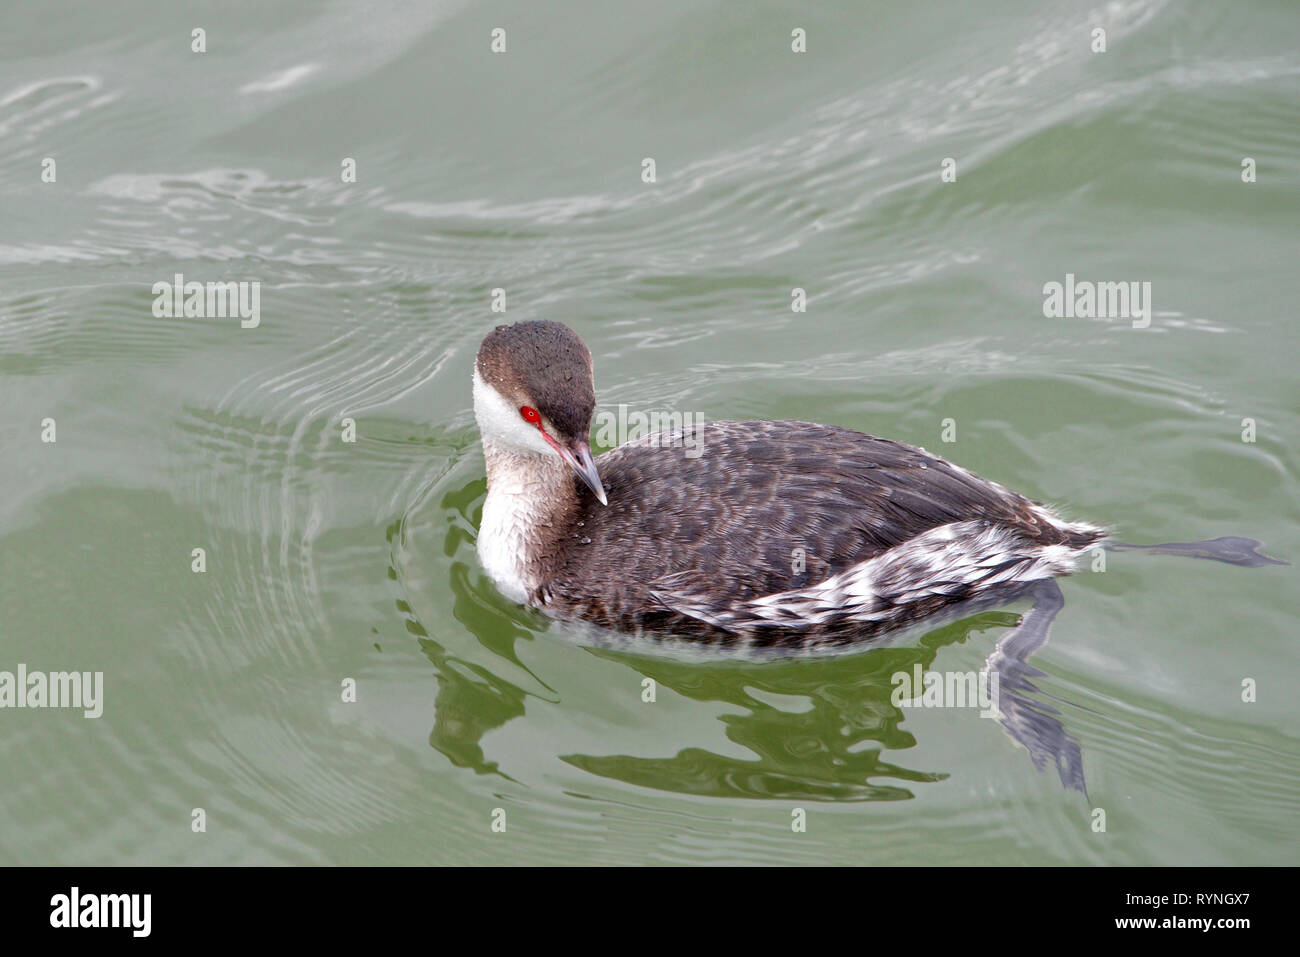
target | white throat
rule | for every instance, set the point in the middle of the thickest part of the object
(529, 489)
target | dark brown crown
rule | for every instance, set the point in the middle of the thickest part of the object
(546, 365)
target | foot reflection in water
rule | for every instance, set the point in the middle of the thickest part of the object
(824, 752)
(830, 749)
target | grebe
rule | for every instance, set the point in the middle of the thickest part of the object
(779, 533)
(776, 535)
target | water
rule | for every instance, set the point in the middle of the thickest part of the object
(329, 560)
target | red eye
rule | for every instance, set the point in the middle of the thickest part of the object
(530, 414)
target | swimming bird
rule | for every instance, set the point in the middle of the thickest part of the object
(772, 533)
(764, 534)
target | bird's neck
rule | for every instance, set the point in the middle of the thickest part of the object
(530, 506)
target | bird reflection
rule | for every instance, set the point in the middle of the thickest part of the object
(831, 748)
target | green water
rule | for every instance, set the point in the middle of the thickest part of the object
(329, 560)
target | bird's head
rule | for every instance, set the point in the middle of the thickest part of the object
(534, 393)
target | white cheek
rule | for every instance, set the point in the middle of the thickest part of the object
(500, 422)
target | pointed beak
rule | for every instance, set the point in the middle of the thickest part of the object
(579, 459)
